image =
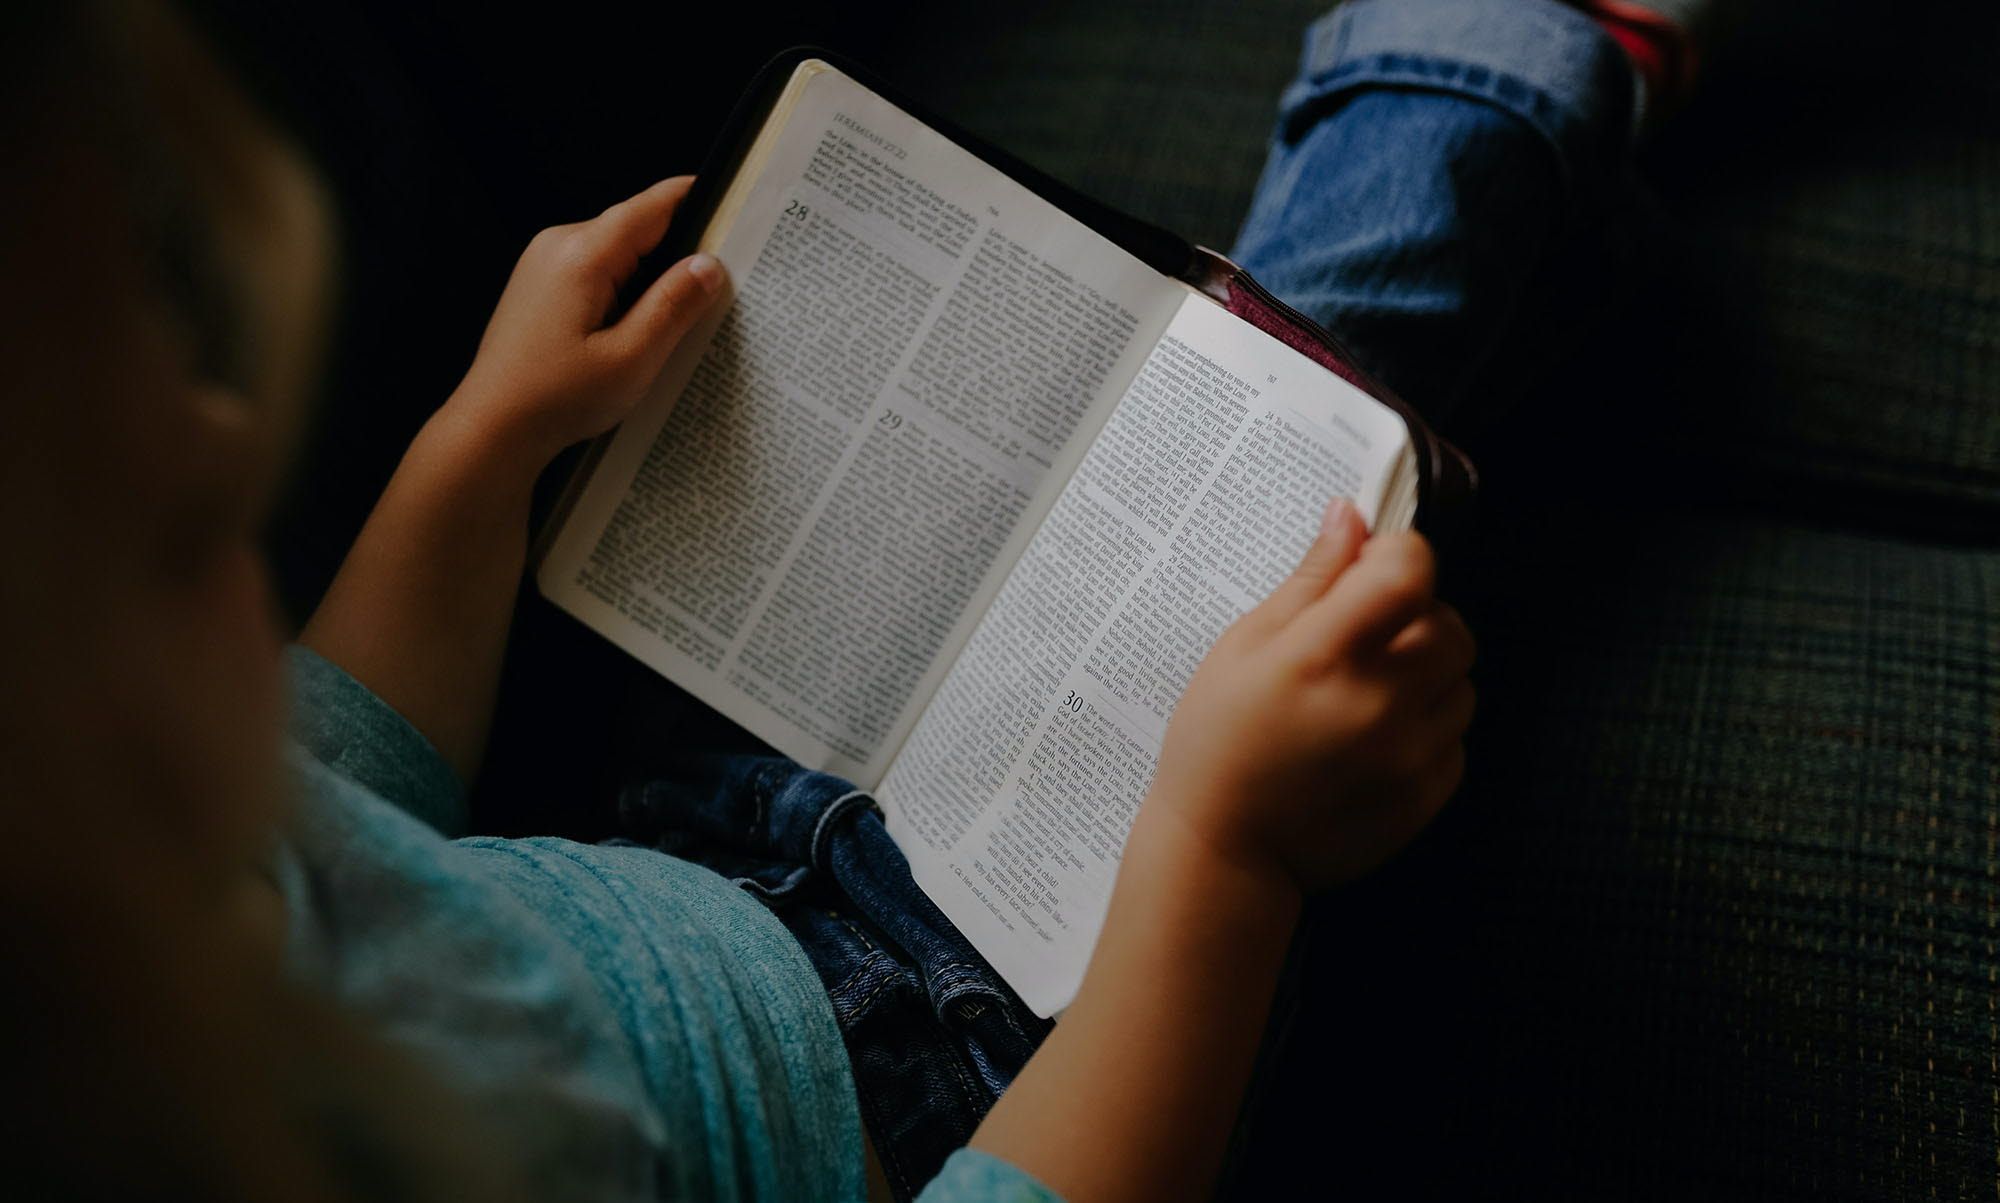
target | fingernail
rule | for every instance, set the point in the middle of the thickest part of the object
(1336, 513)
(706, 270)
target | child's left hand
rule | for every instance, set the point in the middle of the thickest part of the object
(420, 610)
(549, 371)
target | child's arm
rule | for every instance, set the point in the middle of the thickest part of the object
(420, 608)
(1317, 738)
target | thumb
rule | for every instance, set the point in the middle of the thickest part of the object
(649, 331)
(1341, 534)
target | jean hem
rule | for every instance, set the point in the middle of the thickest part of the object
(1546, 64)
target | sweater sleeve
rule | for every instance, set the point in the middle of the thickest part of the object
(970, 1176)
(343, 725)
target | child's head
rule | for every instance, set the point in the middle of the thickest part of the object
(166, 257)
(166, 260)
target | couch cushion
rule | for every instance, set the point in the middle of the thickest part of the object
(1838, 304)
(1717, 912)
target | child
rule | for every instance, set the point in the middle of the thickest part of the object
(222, 996)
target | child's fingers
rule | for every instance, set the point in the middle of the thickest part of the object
(1387, 588)
(1396, 821)
(1341, 534)
(1447, 720)
(616, 238)
(665, 311)
(1442, 623)
(1439, 783)
(1436, 650)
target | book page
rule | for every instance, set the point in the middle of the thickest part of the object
(1014, 793)
(803, 521)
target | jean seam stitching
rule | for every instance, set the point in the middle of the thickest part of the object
(861, 1006)
(868, 963)
(973, 1094)
(858, 933)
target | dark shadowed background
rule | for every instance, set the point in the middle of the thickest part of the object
(1716, 914)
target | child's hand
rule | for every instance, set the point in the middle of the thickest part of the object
(1323, 731)
(549, 372)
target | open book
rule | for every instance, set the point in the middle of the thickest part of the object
(951, 498)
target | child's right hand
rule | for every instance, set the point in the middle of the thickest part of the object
(1324, 729)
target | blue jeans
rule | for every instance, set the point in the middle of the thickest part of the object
(1445, 185)
(932, 1032)
(1440, 169)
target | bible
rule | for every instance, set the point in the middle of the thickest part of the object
(953, 491)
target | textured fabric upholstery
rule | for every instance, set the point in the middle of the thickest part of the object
(1736, 863)
(1715, 912)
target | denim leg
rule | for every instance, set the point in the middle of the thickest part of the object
(932, 1032)
(1437, 167)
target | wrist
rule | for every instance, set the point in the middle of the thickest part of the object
(1244, 889)
(473, 437)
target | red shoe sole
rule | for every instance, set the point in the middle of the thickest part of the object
(1663, 52)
